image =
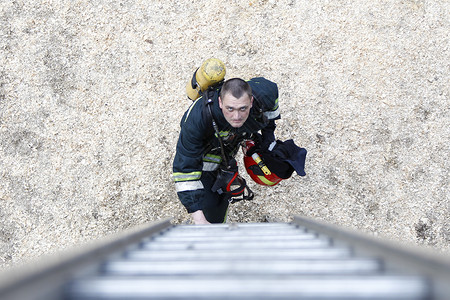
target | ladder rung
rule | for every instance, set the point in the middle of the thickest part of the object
(233, 226)
(155, 245)
(240, 267)
(244, 255)
(386, 287)
(241, 232)
(212, 238)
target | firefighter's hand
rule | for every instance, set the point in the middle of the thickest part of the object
(199, 218)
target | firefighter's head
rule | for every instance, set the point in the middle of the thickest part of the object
(235, 100)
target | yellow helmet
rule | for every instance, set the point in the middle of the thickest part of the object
(211, 72)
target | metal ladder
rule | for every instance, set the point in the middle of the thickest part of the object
(299, 260)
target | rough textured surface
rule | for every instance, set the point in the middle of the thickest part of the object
(91, 94)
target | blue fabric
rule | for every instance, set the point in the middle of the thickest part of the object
(290, 153)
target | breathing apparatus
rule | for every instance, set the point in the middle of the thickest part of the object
(211, 72)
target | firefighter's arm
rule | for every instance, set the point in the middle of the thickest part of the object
(268, 133)
(187, 171)
(188, 162)
(272, 113)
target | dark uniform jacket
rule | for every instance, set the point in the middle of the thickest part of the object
(198, 148)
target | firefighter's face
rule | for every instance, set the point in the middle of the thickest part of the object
(236, 110)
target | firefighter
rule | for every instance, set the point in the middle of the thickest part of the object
(212, 130)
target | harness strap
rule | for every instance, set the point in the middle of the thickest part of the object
(232, 199)
(209, 102)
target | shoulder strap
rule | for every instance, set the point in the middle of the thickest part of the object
(208, 99)
(208, 95)
(207, 117)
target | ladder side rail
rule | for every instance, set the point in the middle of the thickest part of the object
(45, 279)
(397, 257)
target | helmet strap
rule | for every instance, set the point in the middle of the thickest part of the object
(249, 196)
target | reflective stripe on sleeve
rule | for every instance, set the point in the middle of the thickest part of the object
(177, 177)
(211, 162)
(212, 158)
(210, 166)
(188, 186)
(272, 114)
